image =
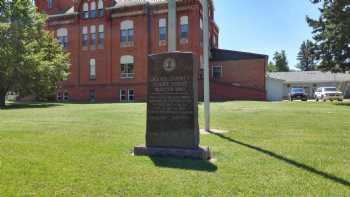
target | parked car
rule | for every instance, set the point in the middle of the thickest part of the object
(297, 94)
(328, 93)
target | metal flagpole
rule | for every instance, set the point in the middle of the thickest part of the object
(206, 64)
(172, 25)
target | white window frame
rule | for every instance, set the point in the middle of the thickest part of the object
(62, 36)
(121, 95)
(92, 69)
(127, 26)
(127, 95)
(133, 95)
(100, 8)
(93, 13)
(127, 60)
(184, 20)
(101, 34)
(84, 33)
(93, 35)
(86, 10)
(162, 23)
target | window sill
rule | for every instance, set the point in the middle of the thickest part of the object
(127, 76)
(126, 44)
(162, 43)
(184, 41)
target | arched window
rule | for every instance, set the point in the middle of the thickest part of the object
(62, 36)
(85, 10)
(101, 36)
(84, 37)
(93, 36)
(100, 8)
(162, 31)
(127, 33)
(184, 28)
(92, 69)
(127, 67)
(93, 9)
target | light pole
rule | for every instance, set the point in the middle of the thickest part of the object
(172, 25)
(206, 64)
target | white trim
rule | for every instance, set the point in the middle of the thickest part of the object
(101, 28)
(93, 5)
(93, 29)
(162, 22)
(85, 30)
(127, 24)
(62, 32)
(100, 4)
(184, 20)
(126, 59)
(85, 7)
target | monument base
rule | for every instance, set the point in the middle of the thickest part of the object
(202, 153)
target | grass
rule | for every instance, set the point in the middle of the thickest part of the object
(271, 149)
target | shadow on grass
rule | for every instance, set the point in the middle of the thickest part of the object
(24, 105)
(296, 164)
(343, 104)
(184, 164)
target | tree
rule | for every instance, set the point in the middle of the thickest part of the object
(281, 62)
(306, 57)
(271, 67)
(332, 35)
(31, 60)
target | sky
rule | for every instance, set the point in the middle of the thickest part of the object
(264, 26)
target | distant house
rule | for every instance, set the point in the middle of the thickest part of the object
(278, 84)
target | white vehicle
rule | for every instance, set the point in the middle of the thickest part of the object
(328, 93)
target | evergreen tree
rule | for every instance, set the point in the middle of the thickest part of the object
(281, 62)
(31, 60)
(306, 57)
(332, 35)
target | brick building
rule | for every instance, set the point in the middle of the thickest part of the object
(109, 40)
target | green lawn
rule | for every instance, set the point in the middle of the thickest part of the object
(271, 149)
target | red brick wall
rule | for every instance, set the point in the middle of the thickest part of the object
(108, 82)
(241, 80)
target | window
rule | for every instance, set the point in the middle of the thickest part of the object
(65, 96)
(92, 69)
(184, 29)
(93, 36)
(59, 96)
(122, 94)
(217, 72)
(131, 95)
(85, 10)
(100, 8)
(84, 37)
(126, 33)
(93, 9)
(127, 67)
(101, 36)
(127, 95)
(50, 4)
(62, 36)
(162, 32)
(92, 95)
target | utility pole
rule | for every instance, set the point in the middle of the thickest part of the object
(205, 8)
(172, 25)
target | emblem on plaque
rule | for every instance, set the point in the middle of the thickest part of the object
(169, 64)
